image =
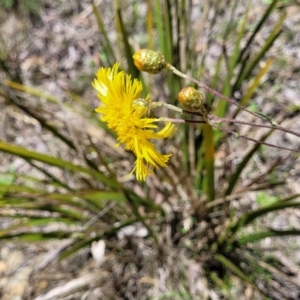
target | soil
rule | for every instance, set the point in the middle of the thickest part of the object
(57, 51)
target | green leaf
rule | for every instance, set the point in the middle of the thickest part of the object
(236, 175)
(241, 33)
(150, 27)
(31, 91)
(50, 160)
(29, 224)
(209, 154)
(128, 50)
(77, 245)
(254, 85)
(106, 44)
(96, 196)
(236, 270)
(259, 25)
(80, 243)
(13, 188)
(252, 64)
(264, 234)
(38, 237)
(249, 217)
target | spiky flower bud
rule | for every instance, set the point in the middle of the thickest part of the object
(149, 61)
(191, 99)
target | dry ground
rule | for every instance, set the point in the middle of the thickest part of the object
(57, 51)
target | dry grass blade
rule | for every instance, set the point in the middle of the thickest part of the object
(74, 285)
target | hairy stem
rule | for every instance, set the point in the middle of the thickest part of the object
(219, 95)
(229, 131)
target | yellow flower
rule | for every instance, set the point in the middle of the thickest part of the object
(126, 113)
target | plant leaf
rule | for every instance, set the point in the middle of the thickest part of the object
(264, 234)
(236, 270)
(50, 160)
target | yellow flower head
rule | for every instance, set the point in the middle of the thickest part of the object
(125, 113)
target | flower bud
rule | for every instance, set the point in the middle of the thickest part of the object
(141, 105)
(191, 99)
(149, 61)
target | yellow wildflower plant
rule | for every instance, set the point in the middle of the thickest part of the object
(126, 113)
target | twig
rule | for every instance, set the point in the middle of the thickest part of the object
(211, 117)
(218, 119)
(231, 101)
(219, 95)
(231, 132)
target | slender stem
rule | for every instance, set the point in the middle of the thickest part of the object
(231, 101)
(154, 105)
(211, 117)
(254, 140)
(218, 119)
(228, 131)
(183, 121)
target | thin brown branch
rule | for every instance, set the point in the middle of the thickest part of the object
(219, 95)
(232, 132)
(254, 140)
(231, 101)
(211, 117)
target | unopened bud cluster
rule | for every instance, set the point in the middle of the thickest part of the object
(154, 62)
(149, 61)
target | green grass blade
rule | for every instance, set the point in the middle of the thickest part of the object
(249, 217)
(269, 42)
(50, 160)
(107, 46)
(8, 232)
(43, 123)
(252, 88)
(63, 211)
(38, 237)
(264, 234)
(8, 188)
(15, 202)
(184, 135)
(31, 91)
(209, 154)
(234, 59)
(222, 105)
(168, 40)
(32, 202)
(77, 245)
(20, 196)
(232, 267)
(236, 175)
(292, 197)
(80, 243)
(54, 180)
(98, 197)
(256, 82)
(214, 82)
(236, 270)
(135, 209)
(159, 25)
(128, 50)
(150, 25)
(262, 21)
(147, 203)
